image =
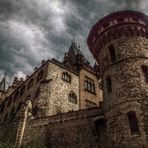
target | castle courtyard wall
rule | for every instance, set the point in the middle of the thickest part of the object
(69, 130)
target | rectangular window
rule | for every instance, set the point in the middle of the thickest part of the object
(145, 72)
(89, 85)
(112, 53)
(133, 122)
(108, 84)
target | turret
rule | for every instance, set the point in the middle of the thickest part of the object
(119, 43)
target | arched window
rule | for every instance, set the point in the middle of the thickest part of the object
(133, 122)
(72, 97)
(37, 93)
(66, 77)
(30, 84)
(22, 90)
(16, 95)
(40, 75)
(112, 53)
(89, 85)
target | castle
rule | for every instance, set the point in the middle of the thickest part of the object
(60, 104)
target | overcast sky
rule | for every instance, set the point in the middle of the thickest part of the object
(33, 30)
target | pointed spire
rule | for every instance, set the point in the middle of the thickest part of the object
(3, 83)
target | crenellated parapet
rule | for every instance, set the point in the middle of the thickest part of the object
(116, 25)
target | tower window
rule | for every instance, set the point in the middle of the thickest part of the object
(72, 97)
(66, 77)
(108, 84)
(145, 72)
(112, 53)
(89, 85)
(133, 122)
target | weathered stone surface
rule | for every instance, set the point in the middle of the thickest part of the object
(70, 130)
(129, 90)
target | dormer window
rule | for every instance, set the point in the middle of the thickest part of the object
(66, 77)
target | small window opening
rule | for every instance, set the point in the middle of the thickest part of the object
(112, 53)
(145, 72)
(109, 84)
(133, 122)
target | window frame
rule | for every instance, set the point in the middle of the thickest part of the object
(66, 77)
(72, 97)
(89, 85)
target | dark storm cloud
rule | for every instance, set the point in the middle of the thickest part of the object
(32, 30)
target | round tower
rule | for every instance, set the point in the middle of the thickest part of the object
(119, 43)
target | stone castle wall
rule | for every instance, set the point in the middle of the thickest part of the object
(69, 130)
(129, 90)
(58, 93)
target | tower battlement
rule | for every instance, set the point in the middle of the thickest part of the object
(116, 25)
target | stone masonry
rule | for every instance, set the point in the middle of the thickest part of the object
(121, 51)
